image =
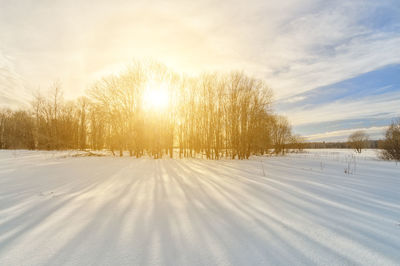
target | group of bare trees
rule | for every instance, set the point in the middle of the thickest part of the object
(50, 124)
(16, 130)
(213, 115)
(390, 145)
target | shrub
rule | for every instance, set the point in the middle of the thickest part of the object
(391, 144)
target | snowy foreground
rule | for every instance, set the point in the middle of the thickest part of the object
(303, 210)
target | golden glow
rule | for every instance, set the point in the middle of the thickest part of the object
(156, 96)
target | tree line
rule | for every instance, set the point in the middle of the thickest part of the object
(213, 115)
(369, 144)
(389, 146)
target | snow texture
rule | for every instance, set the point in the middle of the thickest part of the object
(302, 209)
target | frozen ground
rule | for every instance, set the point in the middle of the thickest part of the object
(121, 211)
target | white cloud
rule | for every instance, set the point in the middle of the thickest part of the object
(340, 110)
(328, 46)
(342, 135)
(294, 99)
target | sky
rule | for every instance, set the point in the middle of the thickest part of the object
(334, 66)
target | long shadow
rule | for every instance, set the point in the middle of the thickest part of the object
(233, 223)
(103, 231)
(47, 207)
(324, 217)
(182, 212)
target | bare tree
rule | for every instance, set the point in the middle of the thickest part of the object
(358, 140)
(281, 134)
(391, 144)
(82, 112)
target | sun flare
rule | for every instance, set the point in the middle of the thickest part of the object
(155, 96)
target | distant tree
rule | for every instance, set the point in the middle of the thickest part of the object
(391, 144)
(297, 142)
(281, 134)
(358, 140)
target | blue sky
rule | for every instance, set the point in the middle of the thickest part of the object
(333, 65)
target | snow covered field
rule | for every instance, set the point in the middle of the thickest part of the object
(302, 209)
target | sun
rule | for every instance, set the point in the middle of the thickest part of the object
(156, 96)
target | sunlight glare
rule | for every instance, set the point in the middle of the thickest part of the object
(155, 96)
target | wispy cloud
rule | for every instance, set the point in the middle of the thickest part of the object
(12, 90)
(332, 43)
(344, 110)
(342, 135)
(369, 99)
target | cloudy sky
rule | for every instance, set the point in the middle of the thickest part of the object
(334, 66)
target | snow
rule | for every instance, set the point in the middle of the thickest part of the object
(62, 210)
